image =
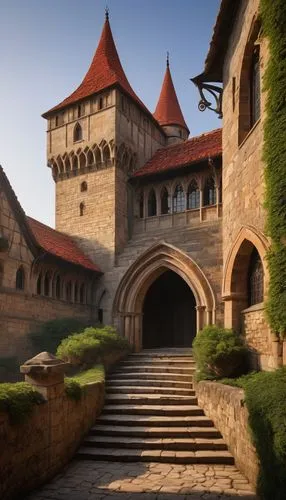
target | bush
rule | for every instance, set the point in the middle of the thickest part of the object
(51, 333)
(265, 396)
(18, 400)
(219, 353)
(90, 345)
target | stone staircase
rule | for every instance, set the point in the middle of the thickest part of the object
(151, 414)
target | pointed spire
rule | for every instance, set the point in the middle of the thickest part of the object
(105, 70)
(168, 111)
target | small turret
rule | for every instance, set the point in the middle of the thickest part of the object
(168, 111)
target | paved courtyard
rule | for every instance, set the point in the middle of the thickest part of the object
(92, 480)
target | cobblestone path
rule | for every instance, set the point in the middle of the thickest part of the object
(90, 480)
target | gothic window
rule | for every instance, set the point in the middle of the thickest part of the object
(255, 279)
(69, 291)
(152, 204)
(255, 88)
(76, 292)
(179, 201)
(58, 288)
(81, 209)
(77, 133)
(106, 154)
(39, 284)
(47, 285)
(141, 205)
(83, 186)
(82, 294)
(210, 192)
(165, 202)
(193, 198)
(20, 278)
(100, 315)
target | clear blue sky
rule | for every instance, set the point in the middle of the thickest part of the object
(46, 47)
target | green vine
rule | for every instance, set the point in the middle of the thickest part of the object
(273, 16)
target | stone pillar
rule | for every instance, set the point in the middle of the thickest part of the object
(138, 332)
(46, 373)
(200, 317)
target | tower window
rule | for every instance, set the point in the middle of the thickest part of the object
(83, 186)
(77, 133)
(81, 209)
(255, 279)
(20, 278)
(193, 199)
(210, 192)
(152, 204)
(255, 88)
(165, 202)
(179, 202)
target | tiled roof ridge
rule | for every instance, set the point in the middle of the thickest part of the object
(168, 110)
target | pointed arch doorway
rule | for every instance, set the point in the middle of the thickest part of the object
(169, 313)
(132, 295)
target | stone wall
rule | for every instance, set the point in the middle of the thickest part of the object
(225, 406)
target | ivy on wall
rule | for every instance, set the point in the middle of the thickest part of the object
(273, 16)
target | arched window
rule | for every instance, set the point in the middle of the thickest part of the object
(58, 288)
(106, 154)
(39, 284)
(141, 205)
(20, 278)
(179, 202)
(76, 292)
(254, 90)
(47, 282)
(255, 279)
(193, 197)
(210, 192)
(82, 294)
(77, 133)
(83, 186)
(165, 202)
(69, 291)
(81, 209)
(152, 203)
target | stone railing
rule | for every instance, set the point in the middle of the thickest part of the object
(224, 405)
(35, 450)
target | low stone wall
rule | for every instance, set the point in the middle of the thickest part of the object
(225, 406)
(35, 450)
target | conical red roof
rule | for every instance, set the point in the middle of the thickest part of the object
(168, 111)
(104, 71)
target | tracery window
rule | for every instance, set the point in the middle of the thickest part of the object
(152, 203)
(165, 202)
(179, 201)
(20, 278)
(77, 133)
(255, 279)
(255, 93)
(210, 192)
(193, 197)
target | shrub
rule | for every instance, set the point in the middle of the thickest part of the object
(51, 333)
(265, 396)
(88, 346)
(18, 400)
(219, 353)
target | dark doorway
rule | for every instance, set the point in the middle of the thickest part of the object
(169, 314)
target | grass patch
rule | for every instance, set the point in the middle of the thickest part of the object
(74, 386)
(18, 400)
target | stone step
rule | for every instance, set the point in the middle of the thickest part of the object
(158, 361)
(129, 389)
(178, 377)
(158, 410)
(157, 432)
(154, 369)
(150, 399)
(186, 444)
(155, 420)
(130, 455)
(114, 382)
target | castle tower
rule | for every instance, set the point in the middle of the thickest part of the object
(168, 111)
(95, 138)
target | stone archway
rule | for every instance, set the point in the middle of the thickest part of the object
(131, 292)
(235, 273)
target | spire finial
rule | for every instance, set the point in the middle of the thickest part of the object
(168, 59)
(106, 13)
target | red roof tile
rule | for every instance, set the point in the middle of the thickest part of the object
(105, 71)
(59, 244)
(168, 111)
(179, 155)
